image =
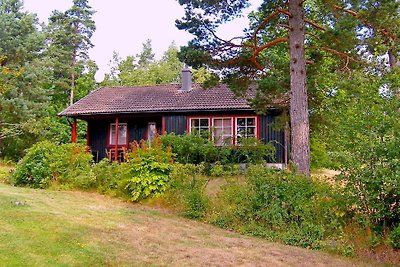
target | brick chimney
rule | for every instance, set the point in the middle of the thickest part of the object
(186, 79)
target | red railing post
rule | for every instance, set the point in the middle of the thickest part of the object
(116, 140)
(73, 132)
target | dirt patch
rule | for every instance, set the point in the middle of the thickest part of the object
(164, 239)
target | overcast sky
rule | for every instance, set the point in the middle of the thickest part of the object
(123, 25)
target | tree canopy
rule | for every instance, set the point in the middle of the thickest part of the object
(331, 37)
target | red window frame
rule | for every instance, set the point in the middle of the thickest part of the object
(110, 139)
(256, 126)
(234, 121)
(197, 118)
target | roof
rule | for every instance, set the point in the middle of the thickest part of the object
(155, 98)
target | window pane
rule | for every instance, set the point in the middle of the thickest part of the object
(122, 133)
(112, 134)
(250, 131)
(251, 121)
(218, 123)
(204, 122)
(195, 123)
(199, 125)
(222, 133)
(122, 129)
(245, 128)
(227, 123)
(241, 122)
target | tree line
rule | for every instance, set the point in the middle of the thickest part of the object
(44, 67)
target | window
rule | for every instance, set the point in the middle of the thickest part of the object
(200, 126)
(122, 133)
(151, 131)
(222, 134)
(245, 128)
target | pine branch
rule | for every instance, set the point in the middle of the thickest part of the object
(382, 31)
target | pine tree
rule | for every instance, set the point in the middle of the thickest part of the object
(69, 41)
(313, 32)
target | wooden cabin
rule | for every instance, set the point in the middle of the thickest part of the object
(117, 116)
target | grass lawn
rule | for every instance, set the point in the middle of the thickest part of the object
(60, 228)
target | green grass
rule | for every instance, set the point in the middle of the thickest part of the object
(63, 228)
(49, 228)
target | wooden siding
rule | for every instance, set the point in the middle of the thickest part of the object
(274, 136)
(175, 124)
(98, 137)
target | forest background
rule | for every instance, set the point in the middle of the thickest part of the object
(353, 81)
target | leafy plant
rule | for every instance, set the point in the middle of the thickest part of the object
(46, 163)
(194, 148)
(394, 238)
(149, 169)
(186, 190)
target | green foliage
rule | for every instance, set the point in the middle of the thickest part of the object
(45, 164)
(365, 145)
(186, 192)
(149, 169)
(194, 148)
(319, 154)
(281, 206)
(34, 169)
(274, 204)
(107, 176)
(143, 69)
(68, 37)
(394, 238)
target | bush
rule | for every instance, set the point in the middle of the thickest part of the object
(394, 238)
(371, 176)
(281, 205)
(195, 149)
(34, 169)
(186, 192)
(46, 163)
(108, 176)
(149, 169)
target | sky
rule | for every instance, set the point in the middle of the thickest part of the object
(124, 25)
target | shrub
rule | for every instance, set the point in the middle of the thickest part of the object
(281, 205)
(190, 148)
(46, 163)
(195, 149)
(34, 169)
(107, 176)
(149, 169)
(371, 176)
(71, 166)
(394, 238)
(186, 190)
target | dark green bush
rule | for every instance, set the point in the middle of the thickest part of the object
(371, 176)
(46, 163)
(71, 166)
(280, 205)
(195, 149)
(34, 169)
(108, 176)
(186, 190)
(149, 169)
(394, 238)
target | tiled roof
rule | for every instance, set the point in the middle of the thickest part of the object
(158, 98)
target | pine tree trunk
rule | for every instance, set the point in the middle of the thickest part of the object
(73, 63)
(300, 130)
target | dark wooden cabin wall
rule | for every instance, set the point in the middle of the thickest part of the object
(98, 131)
(270, 135)
(175, 124)
(138, 127)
